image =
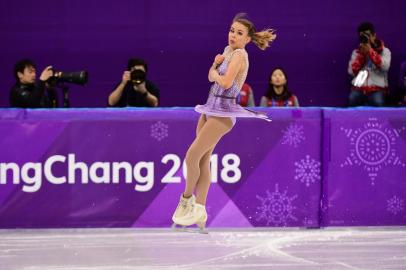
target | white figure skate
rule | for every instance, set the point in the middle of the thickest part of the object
(184, 206)
(196, 215)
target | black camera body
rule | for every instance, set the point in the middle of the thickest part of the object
(75, 77)
(138, 76)
(364, 38)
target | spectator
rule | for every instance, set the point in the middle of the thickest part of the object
(246, 96)
(369, 66)
(278, 94)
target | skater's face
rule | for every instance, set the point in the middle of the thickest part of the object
(238, 36)
(278, 78)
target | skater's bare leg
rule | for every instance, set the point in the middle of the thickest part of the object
(204, 181)
(207, 138)
(202, 120)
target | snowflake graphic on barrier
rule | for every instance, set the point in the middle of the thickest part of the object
(293, 135)
(307, 170)
(276, 207)
(373, 147)
(395, 205)
(159, 131)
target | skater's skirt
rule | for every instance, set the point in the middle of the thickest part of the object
(232, 111)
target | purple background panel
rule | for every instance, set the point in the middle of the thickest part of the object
(179, 39)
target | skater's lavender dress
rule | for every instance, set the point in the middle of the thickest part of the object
(222, 102)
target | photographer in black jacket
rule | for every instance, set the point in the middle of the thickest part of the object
(29, 93)
(135, 90)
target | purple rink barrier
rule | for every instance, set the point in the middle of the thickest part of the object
(124, 168)
(364, 167)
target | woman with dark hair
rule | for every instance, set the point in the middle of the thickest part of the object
(278, 94)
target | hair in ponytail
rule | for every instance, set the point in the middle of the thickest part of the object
(262, 38)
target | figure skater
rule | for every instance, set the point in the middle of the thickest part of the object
(218, 116)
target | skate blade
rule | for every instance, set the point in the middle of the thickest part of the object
(181, 228)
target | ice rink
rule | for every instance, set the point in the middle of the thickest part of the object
(80, 249)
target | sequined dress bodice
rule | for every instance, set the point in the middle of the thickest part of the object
(222, 102)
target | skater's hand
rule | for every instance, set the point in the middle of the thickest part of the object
(219, 59)
(126, 77)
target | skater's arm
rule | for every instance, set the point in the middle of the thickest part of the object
(217, 61)
(211, 72)
(226, 80)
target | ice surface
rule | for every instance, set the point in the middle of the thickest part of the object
(90, 249)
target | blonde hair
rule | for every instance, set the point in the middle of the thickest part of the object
(262, 38)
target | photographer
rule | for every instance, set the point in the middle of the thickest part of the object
(29, 93)
(135, 90)
(369, 66)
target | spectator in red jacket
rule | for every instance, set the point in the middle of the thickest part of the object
(369, 66)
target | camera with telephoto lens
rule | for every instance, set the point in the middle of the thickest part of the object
(75, 77)
(364, 38)
(138, 76)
